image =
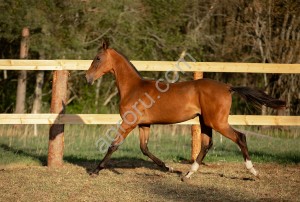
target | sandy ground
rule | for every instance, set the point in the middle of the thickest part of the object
(142, 181)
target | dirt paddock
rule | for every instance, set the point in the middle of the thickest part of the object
(141, 181)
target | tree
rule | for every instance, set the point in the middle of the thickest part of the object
(231, 31)
(22, 78)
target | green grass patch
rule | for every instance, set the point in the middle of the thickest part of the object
(170, 143)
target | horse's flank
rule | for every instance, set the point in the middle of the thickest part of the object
(145, 102)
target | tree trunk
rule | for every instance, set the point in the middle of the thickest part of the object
(4, 74)
(99, 81)
(37, 102)
(22, 79)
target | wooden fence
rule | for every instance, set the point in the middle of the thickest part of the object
(59, 119)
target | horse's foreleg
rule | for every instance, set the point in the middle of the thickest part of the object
(206, 144)
(123, 131)
(144, 138)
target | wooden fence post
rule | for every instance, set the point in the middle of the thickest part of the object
(58, 104)
(196, 130)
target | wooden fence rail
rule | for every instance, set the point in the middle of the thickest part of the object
(155, 66)
(107, 119)
(55, 155)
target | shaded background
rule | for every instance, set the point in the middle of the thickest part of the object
(229, 31)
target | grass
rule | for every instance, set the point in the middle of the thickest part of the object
(134, 178)
(170, 143)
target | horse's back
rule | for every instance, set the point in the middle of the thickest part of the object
(210, 84)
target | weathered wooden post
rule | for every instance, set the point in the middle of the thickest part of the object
(58, 104)
(196, 130)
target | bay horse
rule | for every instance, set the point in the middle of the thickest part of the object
(145, 102)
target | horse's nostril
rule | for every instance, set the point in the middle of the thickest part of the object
(90, 80)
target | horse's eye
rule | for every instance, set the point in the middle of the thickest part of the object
(98, 58)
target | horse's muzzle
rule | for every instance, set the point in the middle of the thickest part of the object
(89, 79)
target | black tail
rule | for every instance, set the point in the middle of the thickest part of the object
(259, 98)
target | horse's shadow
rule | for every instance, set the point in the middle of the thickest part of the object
(113, 164)
(88, 164)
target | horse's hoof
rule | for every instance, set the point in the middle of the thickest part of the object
(94, 173)
(178, 172)
(170, 169)
(185, 179)
(257, 176)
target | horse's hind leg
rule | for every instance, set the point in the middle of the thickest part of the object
(206, 144)
(206, 141)
(144, 138)
(240, 139)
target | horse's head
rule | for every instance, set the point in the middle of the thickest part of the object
(100, 65)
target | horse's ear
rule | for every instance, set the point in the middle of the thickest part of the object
(105, 44)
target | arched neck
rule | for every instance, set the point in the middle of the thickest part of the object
(127, 77)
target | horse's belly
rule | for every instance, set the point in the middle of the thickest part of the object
(169, 116)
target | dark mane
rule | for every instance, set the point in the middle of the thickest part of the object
(129, 62)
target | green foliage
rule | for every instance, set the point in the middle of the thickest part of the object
(152, 30)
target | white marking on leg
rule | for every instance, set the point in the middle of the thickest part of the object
(190, 173)
(194, 168)
(250, 167)
(170, 169)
